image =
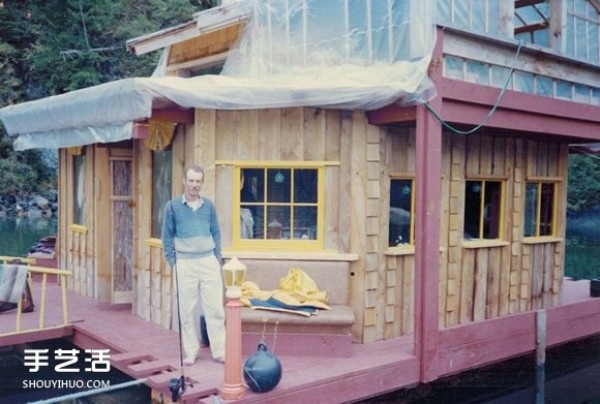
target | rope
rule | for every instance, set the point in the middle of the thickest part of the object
(490, 113)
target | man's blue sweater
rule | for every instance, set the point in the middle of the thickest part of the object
(188, 233)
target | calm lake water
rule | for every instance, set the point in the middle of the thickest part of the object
(570, 376)
(18, 235)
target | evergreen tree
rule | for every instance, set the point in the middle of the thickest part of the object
(584, 183)
(55, 46)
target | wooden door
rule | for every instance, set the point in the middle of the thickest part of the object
(122, 229)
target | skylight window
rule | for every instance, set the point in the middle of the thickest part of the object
(532, 21)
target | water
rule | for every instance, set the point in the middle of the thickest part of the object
(582, 247)
(17, 235)
(570, 376)
(22, 383)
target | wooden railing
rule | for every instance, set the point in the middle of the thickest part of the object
(40, 300)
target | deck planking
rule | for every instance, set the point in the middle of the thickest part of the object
(142, 349)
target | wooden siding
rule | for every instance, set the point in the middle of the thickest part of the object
(477, 282)
(398, 148)
(77, 242)
(488, 279)
(353, 150)
(204, 46)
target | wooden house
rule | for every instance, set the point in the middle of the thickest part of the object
(444, 209)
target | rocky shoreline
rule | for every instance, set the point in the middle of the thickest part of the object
(29, 206)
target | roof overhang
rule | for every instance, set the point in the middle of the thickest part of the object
(203, 23)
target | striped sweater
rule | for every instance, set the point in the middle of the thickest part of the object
(188, 233)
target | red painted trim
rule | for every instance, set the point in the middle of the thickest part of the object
(427, 230)
(573, 321)
(36, 335)
(514, 100)
(467, 103)
(478, 344)
(392, 113)
(178, 115)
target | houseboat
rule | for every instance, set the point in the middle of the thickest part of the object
(411, 157)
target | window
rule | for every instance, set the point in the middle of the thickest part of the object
(279, 207)
(583, 29)
(402, 204)
(477, 15)
(483, 209)
(540, 203)
(532, 21)
(79, 189)
(162, 181)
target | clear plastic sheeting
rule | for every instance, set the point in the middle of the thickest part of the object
(112, 103)
(74, 137)
(343, 54)
(306, 37)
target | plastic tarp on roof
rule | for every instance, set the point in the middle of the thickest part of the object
(344, 54)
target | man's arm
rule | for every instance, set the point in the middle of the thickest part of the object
(215, 231)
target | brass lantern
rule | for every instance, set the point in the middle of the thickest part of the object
(234, 273)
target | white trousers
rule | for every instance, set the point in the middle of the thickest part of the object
(200, 282)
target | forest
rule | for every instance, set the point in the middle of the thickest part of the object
(49, 47)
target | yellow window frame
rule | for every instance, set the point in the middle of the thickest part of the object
(266, 244)
(538, 208)
(484, 189)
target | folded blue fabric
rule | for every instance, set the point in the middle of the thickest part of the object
(272, 303)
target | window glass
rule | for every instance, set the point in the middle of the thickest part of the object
(523, 82)
(162, 182)
(539, 209)
(547, 210)
(582, 93)
(79, 189)
(477, 72)
(582, 29)
(483, 209)
(531, 198)
(563, 89)
(499, 76)
(279, 203)
(596, 96)
(454, 67)
(401, 212)
(532, 21)
(545, 86)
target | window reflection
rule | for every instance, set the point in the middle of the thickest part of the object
(162, 181)
(79, 189)
(401, 212)
(279, 203)
(483, 209)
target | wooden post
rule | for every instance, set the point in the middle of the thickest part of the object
(540, 341)
(233, 277)
(427, 229)
(232, 388)
(540, 357)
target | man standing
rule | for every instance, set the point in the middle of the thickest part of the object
(192, 246)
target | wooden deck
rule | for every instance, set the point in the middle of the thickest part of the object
(144, 350)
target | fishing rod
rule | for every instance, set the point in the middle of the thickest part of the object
(177, 386)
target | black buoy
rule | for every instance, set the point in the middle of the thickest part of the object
(262, 370)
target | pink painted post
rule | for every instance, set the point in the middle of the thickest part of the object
(427, 227)
(232, 388)
(233, 276)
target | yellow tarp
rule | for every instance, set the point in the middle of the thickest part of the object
(297, 288)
